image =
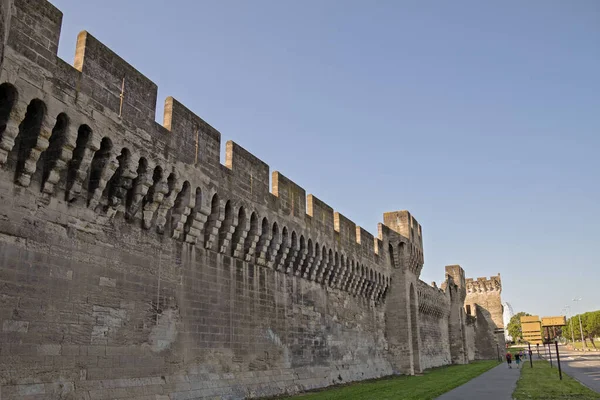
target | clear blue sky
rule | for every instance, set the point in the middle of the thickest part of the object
(481, 118)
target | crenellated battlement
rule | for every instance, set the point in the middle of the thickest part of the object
(433, 300)
(480, 285)
(401, 251)
(93, 123)
(406, 225)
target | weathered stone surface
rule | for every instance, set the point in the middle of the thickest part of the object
(133, 264)
(484, 305)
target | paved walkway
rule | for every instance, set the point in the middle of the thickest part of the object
(496, 384)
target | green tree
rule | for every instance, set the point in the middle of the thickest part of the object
(590, 321)
(514, 326)
(566, 331)
(591, 325)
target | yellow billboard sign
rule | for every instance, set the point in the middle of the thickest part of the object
(532, 329)
(530, 326)
(554, 321)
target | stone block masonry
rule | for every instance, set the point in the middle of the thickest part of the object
(483, 303)
(134, 265)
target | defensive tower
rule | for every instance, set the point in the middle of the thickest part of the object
(484, 301)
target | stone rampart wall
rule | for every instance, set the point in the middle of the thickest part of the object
(133, 264)
(470, 338)
(434, 309)
(82, 316)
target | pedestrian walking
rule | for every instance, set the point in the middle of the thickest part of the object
(509, 359)
(518, 359)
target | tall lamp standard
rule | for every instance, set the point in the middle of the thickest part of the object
(567, 309)
(584, 347)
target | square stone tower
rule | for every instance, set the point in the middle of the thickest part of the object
(483, 301)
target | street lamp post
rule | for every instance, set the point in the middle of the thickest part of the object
(572, 335)
(583, 345)
(567, 310)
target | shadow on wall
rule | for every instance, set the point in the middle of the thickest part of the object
(488, 338)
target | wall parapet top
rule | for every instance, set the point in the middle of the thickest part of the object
(432, 300)
(149, 171)
(480, 285)
(126, 95)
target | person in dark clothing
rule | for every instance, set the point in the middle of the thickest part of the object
(518, 359)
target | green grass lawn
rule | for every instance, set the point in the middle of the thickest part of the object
(431, 384)
(525, 349)
(541, 383)
(579, 345)
(516, 349)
